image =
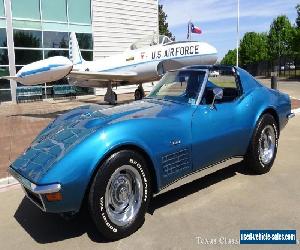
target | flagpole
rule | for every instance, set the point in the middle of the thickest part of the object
(190, 33)
(237, 31)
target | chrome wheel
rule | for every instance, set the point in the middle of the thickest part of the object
(123, 196)
(267, 142)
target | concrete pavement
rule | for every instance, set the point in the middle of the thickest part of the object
(290, 87)
(214, 207)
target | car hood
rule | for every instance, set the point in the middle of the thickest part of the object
(71, 128)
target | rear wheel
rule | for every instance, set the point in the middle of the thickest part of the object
(120, 194)
(263, 146)
(138, 95)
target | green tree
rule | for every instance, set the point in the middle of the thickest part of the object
(163, 24)
(3, 55)
(26, 39)
(280, 38)
(30, 40)
(298, 17)
(229, 58)
(253, 48)
(85, 41)
(296, 42)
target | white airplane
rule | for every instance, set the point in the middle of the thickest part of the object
(146, 60)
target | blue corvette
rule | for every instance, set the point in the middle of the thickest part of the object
(115, 159)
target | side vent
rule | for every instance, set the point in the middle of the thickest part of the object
(175, 162)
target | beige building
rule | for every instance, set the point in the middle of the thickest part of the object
(118, 23)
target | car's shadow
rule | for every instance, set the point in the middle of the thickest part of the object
(187, 189)
(47, 228)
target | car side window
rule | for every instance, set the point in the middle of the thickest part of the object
(225, 79)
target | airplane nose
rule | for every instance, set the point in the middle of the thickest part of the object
(213, 53)
(212, 49)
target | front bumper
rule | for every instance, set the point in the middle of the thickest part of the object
(34, 192)
(290, 116)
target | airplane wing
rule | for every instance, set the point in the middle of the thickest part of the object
(78, 78)
(102, 76)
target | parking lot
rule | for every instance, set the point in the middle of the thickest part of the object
(183, 217)
(216, 206)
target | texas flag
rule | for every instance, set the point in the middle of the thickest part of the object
(195, 29)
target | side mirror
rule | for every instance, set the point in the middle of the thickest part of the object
(218, 95)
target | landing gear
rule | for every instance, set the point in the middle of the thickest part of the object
(139, 93)
(110, 96)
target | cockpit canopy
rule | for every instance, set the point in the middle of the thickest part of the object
(150, 41)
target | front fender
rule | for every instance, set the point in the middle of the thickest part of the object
(76, 169)
(74, 172)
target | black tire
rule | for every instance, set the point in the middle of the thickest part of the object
(253, 158)
(116, 96)
(138, 95)
(98, 200)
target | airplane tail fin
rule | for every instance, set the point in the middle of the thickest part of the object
(74, 51)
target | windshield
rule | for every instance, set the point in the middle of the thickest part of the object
(150, 41)
(164, 40)
(181, 86)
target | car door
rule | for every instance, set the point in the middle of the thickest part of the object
(215, 128)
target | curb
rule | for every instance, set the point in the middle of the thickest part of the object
(7, 182)
(296, 111)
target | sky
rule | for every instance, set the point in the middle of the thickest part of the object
(218, 18)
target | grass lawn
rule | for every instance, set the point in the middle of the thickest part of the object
(223, 81)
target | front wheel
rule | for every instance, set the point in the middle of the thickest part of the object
(263, 146)
(120, 194)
